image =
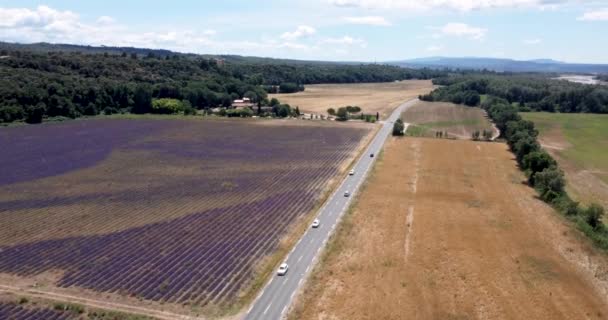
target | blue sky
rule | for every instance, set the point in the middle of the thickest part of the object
(356, 30)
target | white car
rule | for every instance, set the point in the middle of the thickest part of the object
(352, 172)
(347, 194)
(316, 223)
(282, 269)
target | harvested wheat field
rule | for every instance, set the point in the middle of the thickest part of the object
(457, 120)
(371, 97)
(445, 229)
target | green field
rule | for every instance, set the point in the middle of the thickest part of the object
(586, 136)
(579, 143)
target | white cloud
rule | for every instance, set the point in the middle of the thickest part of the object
(461, 30)
(598, 15)
(460, 5)
(293, 45)
(300, 32)
(532, 41)
(105, 20)
(346, 40)
(435, 48)
(51, 25)
(368, 20)
(42, 16)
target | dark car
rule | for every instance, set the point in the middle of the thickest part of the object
(371, 155)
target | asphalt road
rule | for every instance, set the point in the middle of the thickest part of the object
(278, 294)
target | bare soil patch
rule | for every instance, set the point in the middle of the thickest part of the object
(446, 229)
(459, 121)
(371, 97)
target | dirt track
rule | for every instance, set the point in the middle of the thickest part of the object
(446, 230)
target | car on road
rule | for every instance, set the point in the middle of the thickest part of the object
(352, 172)
(282, 269)
(316, 223)
(346, 194)
(371, 155)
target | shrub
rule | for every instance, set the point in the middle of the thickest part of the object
(10, 113)
(189, 111)
(593, 216)
(535, 162)
(550, 183)
(475, 135)
(167, 106)
(398, 128)
(342, 114)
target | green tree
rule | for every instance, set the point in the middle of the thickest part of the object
(398, 128)
(537, 161)
(142, 100)
(524, 146)
(274, 102)
(91, 109)
(34, 114)
(331, 111)
(550, 183)
(342, 114)
(11, 113)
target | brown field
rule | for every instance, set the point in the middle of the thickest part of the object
(459, 121)
(371, 97)
(445, 229)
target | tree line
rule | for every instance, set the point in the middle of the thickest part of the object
(527, 92)
(35, 84)
(541, 169)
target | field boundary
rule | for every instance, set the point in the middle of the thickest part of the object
(94, 303)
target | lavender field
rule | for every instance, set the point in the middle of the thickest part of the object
(13, 311)
(177, 211)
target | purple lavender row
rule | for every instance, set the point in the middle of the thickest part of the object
(12, 311)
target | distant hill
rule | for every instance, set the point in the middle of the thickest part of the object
(502, 65)
(142, 52)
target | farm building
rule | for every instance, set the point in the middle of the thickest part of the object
(242, 103)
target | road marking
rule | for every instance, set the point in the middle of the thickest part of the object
(266, 310)
(307, 268)
(300, 258)
(284, 282)
(312, 240)
(282, 312)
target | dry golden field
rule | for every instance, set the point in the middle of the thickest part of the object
(445, 229)
(457, 120)
(371, 97)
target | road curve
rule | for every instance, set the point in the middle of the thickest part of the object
(278, 294)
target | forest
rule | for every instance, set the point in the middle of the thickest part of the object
(528, 92)
(37, 84)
